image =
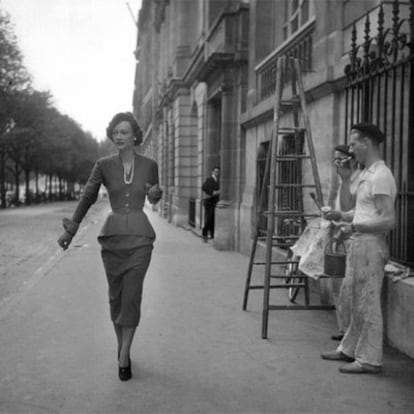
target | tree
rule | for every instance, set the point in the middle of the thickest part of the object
(13, 77)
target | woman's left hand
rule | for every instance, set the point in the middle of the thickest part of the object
(154, 193)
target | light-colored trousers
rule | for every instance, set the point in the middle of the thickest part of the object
(342, 294)
(363, 340)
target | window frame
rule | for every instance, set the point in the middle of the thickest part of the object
(293, 17)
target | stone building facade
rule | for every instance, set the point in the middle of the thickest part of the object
(204, 95)
(191, 83)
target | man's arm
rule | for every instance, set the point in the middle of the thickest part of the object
(346, 199)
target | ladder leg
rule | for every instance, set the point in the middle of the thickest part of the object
(249, 273)
(265, 315)
(306, 291)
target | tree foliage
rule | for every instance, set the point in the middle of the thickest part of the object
(35, 137)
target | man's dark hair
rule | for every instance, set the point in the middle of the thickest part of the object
(343, 149)
(370, 131)
(128, 117)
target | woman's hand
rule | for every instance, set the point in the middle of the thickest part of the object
(65, 240)
(154, 193)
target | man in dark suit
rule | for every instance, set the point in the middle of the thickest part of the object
(211, 187)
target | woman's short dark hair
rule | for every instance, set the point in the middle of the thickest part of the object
(128, 117)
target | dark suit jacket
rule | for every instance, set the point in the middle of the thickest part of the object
(210, 185)
(127, 200)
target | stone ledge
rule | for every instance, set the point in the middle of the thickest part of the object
(399, 314)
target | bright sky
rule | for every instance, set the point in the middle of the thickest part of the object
(82, 52)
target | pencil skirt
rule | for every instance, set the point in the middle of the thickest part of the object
(126, 261)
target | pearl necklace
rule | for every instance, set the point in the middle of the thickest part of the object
(131, 169)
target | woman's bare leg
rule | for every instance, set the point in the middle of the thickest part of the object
(118, 332)
(127, 337)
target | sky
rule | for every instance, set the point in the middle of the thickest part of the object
(82, 52)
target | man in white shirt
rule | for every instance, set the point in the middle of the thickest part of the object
(348, 170)
(367, 225)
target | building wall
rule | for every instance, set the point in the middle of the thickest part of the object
(198, 95)
(325, 91)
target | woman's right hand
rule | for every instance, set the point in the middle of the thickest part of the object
(65, 240)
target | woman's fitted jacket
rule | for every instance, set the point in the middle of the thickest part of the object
(127, 200)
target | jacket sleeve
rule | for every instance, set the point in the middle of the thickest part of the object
(90, 193)
(207, 188)
(154, 195)
(154, 174)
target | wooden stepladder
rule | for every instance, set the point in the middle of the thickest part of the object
(284, 215)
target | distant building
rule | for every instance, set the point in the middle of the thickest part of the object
(191, 89)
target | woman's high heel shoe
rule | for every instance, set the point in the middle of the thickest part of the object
(125, 372)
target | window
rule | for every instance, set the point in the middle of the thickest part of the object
(297, 13)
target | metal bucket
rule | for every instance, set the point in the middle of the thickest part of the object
(335, 259)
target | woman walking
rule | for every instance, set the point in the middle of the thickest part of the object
(127, 236)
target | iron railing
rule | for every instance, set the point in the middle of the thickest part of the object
(380, 82)
(300, 47)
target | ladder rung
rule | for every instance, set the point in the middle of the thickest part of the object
(277, 237)
(301, 307)
(286, 213)
(292, 157)
(290, 130)
(255, 287)
(295, 101)
(285, 286)
(282, 244)
(289, 236)
(292, 185)
(278, 262)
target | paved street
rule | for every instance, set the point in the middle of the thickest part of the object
(195, 351)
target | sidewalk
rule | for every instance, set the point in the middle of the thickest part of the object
(195, 351)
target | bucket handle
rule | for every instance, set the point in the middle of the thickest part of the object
(332, 246)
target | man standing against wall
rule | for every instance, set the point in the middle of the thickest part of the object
(367, 225)
(211, 188)
(348, 171)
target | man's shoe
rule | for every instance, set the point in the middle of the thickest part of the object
(337, 337)
(336, 356)
(358, 368)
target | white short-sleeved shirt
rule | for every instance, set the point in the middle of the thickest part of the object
(375, 180)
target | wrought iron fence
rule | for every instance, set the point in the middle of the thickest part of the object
(380, 82)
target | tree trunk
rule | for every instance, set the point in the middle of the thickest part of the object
(3, 189)
(37, 185)
(28, 198)
(60, 183)
(50, 186)
(17, 185)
